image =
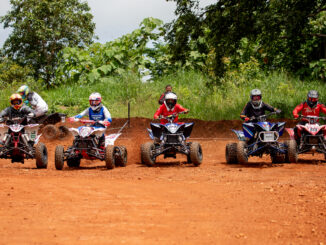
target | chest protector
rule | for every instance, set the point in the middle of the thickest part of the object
(96, 116)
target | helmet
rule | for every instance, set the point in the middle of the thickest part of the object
(23, 91)
(312, 98)
(95, 101)
(170, 100)
(16, 101)
(255, 98)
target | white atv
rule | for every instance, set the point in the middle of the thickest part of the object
(87, 144)
(20, 140)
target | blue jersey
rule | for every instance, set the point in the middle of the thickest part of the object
(96, 116)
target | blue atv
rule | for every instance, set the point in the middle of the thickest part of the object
(170, 139)
(258, 138)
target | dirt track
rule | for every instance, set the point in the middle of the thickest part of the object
(173, 203)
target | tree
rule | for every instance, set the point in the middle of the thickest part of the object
(43, 28)
(282, 30)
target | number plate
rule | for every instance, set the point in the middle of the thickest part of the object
(269, 137)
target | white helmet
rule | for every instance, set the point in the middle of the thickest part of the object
(95, 100)
(170, 100)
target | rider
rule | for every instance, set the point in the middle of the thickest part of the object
(169, 107)
(168, 89)
(310, 107)
(256, 107)
(34, 100)
(97, 112)
(17, 108)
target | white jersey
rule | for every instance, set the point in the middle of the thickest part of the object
(37, 103)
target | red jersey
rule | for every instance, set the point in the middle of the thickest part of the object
(162, 110)
(308, 111)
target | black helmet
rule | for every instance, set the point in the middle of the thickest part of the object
(170, 100)
(312, 98)
(255, 98)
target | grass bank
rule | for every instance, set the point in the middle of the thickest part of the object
(224, 101)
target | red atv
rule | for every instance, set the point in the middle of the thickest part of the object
(311, 137)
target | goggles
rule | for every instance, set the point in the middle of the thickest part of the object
(256, 97)
(16, 102)
(313, 99)
(94, 102)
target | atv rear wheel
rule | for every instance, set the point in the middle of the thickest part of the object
(292, 153)
(59, 157)
(50, 132)
(109, 157)
(231, 153)
(242, 152)
(41, 155)
(73, 162)
(146, 152)
(196, 153)
(122, 158)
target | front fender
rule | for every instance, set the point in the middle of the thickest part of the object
(109, 139)
(239, 134)
(150, 133)
(290, 132)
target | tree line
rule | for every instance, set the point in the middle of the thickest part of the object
(52, 42)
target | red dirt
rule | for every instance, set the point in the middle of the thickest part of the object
(173, 203)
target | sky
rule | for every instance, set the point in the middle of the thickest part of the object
(114, 18)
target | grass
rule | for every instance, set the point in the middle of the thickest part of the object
(208, 103)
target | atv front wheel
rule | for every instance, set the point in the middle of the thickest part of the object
(122, 158)
(196, 153)
(292, 153)
(231, 153)
(146, 152)
(59, 157)
(242, 152)
(73, 162)
(109, 157)
(50, 132)
(41, 155)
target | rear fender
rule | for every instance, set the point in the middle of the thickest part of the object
(239, 134)
(290, 132)
(109, 139)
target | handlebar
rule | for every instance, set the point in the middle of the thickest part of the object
(174, 115)
(85, 121)
(17, 120)
(263, 117)
(311, 117)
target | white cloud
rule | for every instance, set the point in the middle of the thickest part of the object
(114, 18)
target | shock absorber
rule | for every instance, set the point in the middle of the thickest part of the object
(25, 139)
(6, 139)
